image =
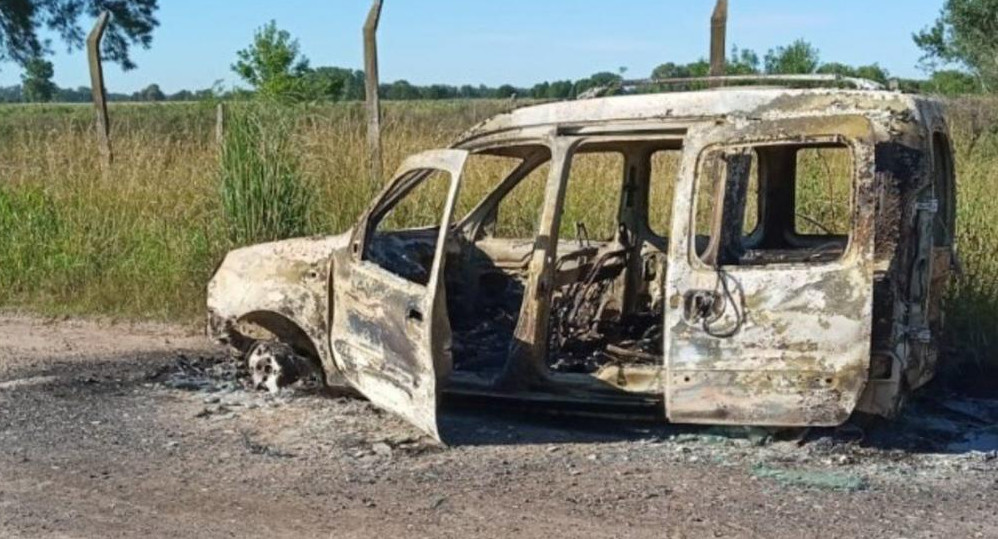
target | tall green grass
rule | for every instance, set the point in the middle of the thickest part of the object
(264, 195)
(141, 240)
(971, 308)
(33, 229)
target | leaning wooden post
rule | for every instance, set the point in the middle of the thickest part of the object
(97, 89)
(220, 124)
(718, 40)
(373, 101)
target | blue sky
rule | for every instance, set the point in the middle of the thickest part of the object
(499, 41)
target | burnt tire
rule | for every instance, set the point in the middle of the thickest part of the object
(274, 365)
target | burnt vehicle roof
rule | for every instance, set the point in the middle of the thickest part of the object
(679, 108)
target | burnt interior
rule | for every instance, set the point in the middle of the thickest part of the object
(588, 326)
(606, 299)
(607, 293)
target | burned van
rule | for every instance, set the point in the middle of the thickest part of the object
(740, 256)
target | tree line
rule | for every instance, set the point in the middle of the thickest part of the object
(960, 54)
(30, 93)
(274, 67)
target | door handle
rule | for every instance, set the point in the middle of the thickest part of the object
(414, 315)
(702, 305)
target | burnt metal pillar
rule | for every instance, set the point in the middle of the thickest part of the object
(97, 89)
(373, 101)
(718, 40)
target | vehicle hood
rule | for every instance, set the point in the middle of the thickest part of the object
(289, 278)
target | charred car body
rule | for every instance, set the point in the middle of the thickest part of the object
(740, 309)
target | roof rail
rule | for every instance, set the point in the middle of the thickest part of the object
(856, 83)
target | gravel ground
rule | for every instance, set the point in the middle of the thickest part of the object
(142, 430)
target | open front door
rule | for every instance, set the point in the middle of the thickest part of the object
(770, 278)
(390, 333)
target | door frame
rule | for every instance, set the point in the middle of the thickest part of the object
(798, 355)
(391, 336)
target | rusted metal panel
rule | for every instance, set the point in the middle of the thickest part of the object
(391, 336)
(381, 346)
(527, 357)
(791, 344)
(287, 279)
(729, 104)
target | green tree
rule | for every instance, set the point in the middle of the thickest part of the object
(10, 94)
(468, 92)
(506, 91)
(334, 84)
(132, 23)
(952, 82)
(437, 92)
(870, 72)
(273, 64)
(402, 90)
(560, 89)
(964, 35)
(873, 72)
(742, 62)
(670, 70)
(540, 90)
(800, 57)
(151, 93)
(355, 89)
(37, 85)
(836, 68)
(603, 79)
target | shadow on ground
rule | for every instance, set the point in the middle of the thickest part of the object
(936, 422)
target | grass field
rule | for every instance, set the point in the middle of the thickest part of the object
(142, 240)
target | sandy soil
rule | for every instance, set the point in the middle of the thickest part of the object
(124, 431)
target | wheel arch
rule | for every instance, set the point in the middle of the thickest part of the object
(283, 329)
(244, 331)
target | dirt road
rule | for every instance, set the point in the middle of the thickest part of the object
(142, 431)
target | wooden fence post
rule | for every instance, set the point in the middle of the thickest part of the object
(97, 89)
(373, 101)
(220, 124)
(718, 40)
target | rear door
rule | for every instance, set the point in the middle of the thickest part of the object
(390, 332)
(768, 323)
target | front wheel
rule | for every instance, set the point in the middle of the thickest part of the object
(274, 365)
